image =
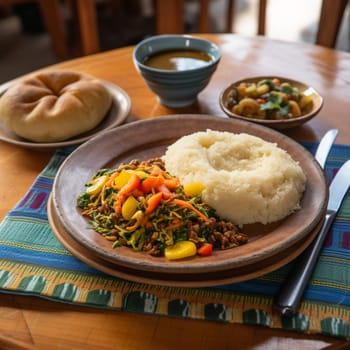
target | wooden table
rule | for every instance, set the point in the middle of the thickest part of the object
(42, 324)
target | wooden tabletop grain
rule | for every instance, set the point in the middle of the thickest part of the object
(32, 323)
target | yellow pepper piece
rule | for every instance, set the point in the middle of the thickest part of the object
(125, 175)
(180, 250)
(141, 174)
(138, 216)
(129, 207)
(121, 180)
(193, 189)
(97, 184)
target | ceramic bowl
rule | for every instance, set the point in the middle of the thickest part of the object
(227, 102)
(176, 88)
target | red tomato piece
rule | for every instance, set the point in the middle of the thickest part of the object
(205, 250)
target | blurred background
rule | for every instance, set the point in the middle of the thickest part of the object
(25, 44)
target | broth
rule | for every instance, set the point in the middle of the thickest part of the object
(178, 60)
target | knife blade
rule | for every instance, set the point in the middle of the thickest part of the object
(289, 297)
(325, 146)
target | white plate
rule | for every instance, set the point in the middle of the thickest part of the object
(116, 115)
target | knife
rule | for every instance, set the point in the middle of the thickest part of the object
(289, 297)
(286, 298)
(325, 146)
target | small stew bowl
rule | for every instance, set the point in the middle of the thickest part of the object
(230, 97)
(176, 88)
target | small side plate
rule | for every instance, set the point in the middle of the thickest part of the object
(116, 115)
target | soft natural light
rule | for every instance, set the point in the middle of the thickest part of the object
(295, 20)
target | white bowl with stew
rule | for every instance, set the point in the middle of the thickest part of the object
(176, 67)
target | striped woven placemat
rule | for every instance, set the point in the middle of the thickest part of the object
(33, 262)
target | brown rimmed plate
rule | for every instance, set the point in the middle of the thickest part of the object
(116, 115)
(204, 279)
(149, 138)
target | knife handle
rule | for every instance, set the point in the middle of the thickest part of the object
(288, 299)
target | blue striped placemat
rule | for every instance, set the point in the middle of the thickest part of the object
(33, 262)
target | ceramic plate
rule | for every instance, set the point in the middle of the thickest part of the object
(149, 138)
(201, 279)
(116, 115)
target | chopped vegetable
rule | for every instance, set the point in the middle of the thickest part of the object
(205, 250)
(194, 189)
(167, 194)
(187, 205)
(172, 183)
(111, 179)
(138, 218)
(140, 205)
(129, 207)
(96, 185)
(180, 250)
(121, 180)
(132, 184)
(268, 99)
(152, 202)
(151, 183)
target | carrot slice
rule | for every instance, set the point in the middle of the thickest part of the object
(153, 202)
(125, 191)
(183, 204)
(172, 183)
(167, 194)
(109, 183)
(150, 183)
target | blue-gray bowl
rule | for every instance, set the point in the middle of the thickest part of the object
(176, 88)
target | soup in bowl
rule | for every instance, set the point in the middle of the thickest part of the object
(176, 67)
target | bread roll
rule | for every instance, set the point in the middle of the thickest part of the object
(54, 105)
